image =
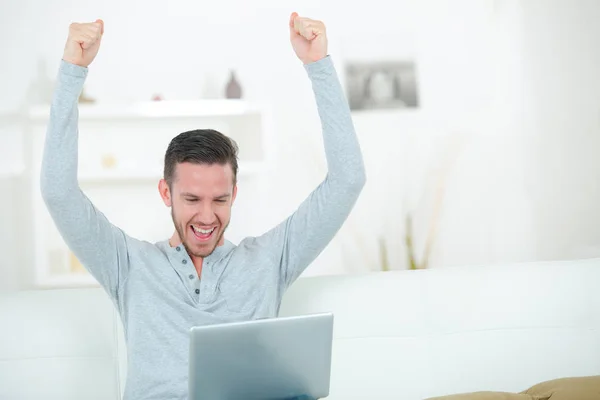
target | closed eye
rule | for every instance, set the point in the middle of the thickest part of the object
(222, 199)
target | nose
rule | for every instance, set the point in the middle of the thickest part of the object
(206, 214)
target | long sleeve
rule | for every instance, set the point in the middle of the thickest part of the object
(301, 237)
(100, 246)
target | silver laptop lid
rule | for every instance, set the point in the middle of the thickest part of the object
(277, 358)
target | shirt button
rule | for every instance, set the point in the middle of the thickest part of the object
(197, 291)
(184, 261)
(178, 248)
(191, 276)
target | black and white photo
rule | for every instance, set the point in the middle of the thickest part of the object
(381, 85)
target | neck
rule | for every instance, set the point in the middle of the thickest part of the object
(175, 241)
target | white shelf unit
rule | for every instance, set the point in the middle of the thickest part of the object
(120, 162)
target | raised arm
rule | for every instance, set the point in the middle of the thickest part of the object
(298, 240)
(99, 246)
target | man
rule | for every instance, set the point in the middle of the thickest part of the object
(196, 277)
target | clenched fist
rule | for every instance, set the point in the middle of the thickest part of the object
(83, 42)
(308, 38)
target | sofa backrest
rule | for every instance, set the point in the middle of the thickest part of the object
(417, 334)
(404, 334)
(58, 344)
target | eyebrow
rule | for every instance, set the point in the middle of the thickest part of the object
(191, 195)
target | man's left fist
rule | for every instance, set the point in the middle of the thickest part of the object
(308, 38)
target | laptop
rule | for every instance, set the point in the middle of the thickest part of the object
(266, 359)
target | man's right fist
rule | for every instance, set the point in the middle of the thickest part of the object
(83, 42)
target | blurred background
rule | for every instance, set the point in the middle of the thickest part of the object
(478, 121)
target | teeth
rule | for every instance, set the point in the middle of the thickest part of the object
(203, 231)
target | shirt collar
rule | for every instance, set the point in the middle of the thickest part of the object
(218, 253)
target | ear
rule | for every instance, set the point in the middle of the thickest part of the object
(234, 194)
(165, 192)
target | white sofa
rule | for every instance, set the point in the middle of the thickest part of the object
(398, 335)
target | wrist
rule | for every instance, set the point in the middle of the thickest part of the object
(73, 61)
(312, 60)
(322, 67)
(69, 68)
(316, 62)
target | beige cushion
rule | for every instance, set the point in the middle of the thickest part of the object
(489, 396)
(576, 388)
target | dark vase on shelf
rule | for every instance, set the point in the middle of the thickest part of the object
(233, 89)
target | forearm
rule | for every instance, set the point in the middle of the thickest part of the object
(342, 150)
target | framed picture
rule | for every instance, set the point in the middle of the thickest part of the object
(381, 85)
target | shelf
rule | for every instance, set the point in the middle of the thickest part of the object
(247, 169)
(67, 281)
(158, 109)
(121, 151)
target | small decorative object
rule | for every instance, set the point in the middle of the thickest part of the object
(85, 99)
(158, 97)
(75, 264)
(109, 161)
(233, 90)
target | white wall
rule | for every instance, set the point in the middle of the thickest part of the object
(562, 55)
(516, 78)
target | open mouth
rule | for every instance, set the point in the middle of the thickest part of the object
(202, 234)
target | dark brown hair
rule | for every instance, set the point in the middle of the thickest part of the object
(200, 146)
